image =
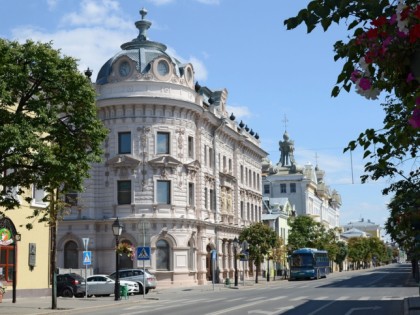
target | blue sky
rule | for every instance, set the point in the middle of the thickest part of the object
(270, 73)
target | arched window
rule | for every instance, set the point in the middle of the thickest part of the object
(162, 255)
(71, 255)
(125, 261)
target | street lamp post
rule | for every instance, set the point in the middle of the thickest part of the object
(16, 238)
(117, 230)
(235, 261)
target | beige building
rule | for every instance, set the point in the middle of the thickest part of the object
(180, 174)
(32, 250)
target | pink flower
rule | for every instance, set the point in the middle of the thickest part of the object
(365, 84)
(414, 120)
(355, 75)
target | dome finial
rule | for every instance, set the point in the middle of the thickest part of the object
(143, 13)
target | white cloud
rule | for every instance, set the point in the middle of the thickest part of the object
(160, 2)
(52, 4)
(92, 46)
(239, 111)
(105, 13)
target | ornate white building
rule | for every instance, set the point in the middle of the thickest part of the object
(304, 187)
(180, 174)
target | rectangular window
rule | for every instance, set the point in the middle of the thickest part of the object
(242, 174)
(162, 143)
(205, 155)
(124, 192)
(242, 210)
(163, 195)
(6, 262)
(230, 166)
(283, 188)
(266, 189)
(124, 142)
(224, 164)
(246, 176)
(38, 194)
(212, 200)
(247, 211)
(258, 181)
(71, 198)
(293, 187)
(191, 147)
(211, 157)
(190, 194)
(206, 201)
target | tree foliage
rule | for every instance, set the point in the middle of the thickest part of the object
(381, 54)
(261, 240)
(48, 122)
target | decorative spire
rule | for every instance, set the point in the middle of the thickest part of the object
(142, 40)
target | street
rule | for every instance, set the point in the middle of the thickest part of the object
(373, 291)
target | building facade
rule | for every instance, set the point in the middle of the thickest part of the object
(25, 254)
(303, 186)
(178, 172)
(370, 228)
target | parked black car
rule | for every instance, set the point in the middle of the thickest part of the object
(70, 284)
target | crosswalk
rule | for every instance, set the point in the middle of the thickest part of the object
(249, 306)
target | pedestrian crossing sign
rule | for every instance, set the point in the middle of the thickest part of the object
(143, 253)
(87, 258)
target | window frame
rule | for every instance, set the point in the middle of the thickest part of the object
(163, 140)
(167, 199)
(122, 194)
(122, 142)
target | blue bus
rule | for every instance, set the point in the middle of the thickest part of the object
(309, 263)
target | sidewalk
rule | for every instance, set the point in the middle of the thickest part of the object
(42, 305)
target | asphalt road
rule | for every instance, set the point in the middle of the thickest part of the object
(378, 291)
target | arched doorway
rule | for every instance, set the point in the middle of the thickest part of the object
(71, 255)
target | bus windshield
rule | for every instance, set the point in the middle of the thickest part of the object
(302, 260)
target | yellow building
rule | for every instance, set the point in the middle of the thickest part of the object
(32, 250)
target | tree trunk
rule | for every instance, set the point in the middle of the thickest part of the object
(53, 238)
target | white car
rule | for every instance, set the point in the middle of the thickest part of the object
(102, 285)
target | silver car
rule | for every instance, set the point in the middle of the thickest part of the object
(140, 276)
(103, 285)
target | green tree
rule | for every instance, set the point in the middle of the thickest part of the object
(261, 240)
(49, 129)
(304, 232)
(381, 54)
(341, 255)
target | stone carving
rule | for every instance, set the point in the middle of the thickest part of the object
(287, 148)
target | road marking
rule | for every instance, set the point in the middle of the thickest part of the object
(387, 298)
(227, 310)
(341, 298)
(277, 298)
(318, 298)
(299, 298)
(364, 298)
(362, 308)
(255, 299)
(321, 308)
(261, 312)
(284, 308)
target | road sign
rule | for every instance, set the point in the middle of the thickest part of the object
(87, 257)
(143, 253)
(85, 242)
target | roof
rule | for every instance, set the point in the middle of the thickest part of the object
(140, 50)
